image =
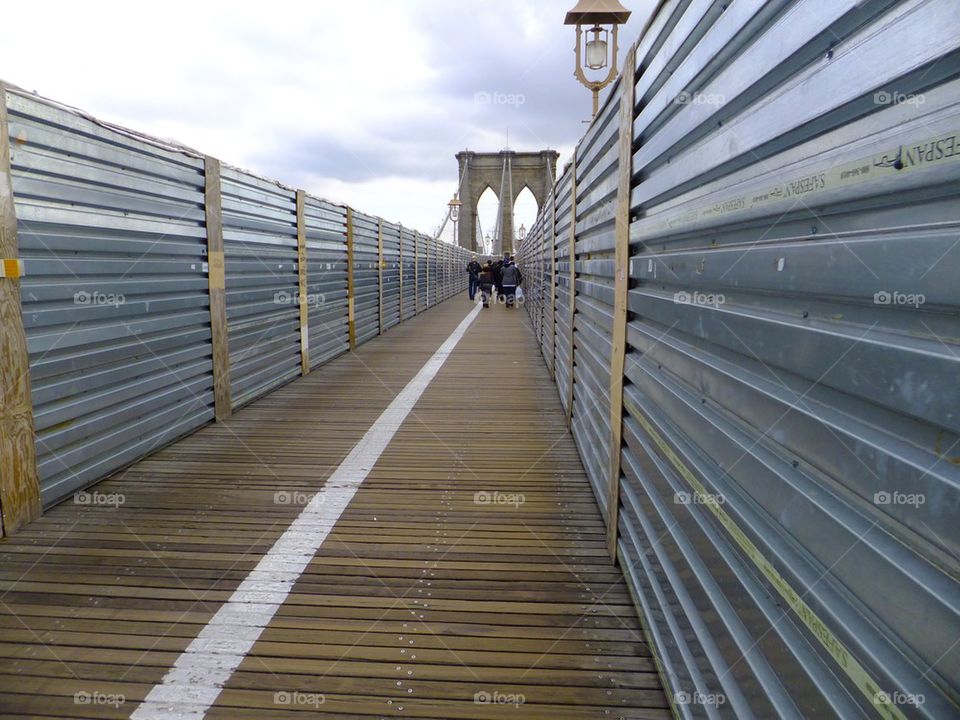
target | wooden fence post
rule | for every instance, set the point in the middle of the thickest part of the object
(216, 282)
(621, 288)
(19, 482)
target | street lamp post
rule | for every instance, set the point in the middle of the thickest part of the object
(599, 48)
(454, 206)
(522, 233)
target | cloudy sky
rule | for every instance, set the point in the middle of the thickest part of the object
(362, 103)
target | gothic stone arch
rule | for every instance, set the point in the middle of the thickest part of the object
(535, 170)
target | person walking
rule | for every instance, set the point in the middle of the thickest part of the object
(511, 280)
(473, 269)
(486, 278)
(498, 277)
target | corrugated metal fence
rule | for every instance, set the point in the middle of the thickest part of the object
(767, 242)
(118, 277)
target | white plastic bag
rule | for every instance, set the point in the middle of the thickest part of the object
(519, 294)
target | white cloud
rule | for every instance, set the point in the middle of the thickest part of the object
(366, 104)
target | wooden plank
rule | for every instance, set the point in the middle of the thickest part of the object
(19, 482)
(302, 284)
(437, 583)
(351, 287)
(621, 287)
(572, 258)
(216, 280)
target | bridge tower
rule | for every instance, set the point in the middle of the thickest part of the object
(507, 172)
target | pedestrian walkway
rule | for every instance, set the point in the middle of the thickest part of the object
(466, 578)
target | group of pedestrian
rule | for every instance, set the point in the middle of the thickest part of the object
(502, 275)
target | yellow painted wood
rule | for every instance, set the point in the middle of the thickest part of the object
(216, 279)
(621, 287)
(302, 285)
(19, 482)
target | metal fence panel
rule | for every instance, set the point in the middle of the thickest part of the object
(326, 228)
(111, 232)
(260, 249)
(789, 488)
(391, 274)
(409, 275)
(366, 277)
(597, 175)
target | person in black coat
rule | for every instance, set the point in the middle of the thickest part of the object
(473, 269)
(487, 278)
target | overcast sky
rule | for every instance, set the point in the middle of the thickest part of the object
(364, 103)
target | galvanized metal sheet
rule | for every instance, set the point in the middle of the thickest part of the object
(790, 484)
(115, 302)
(263, 318)
(326, 279)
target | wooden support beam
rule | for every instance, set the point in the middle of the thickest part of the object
(351, 287)
(302, 299)
(19, 481)
(216, 280)
(380, 270)
(621, 289)
(572, 258)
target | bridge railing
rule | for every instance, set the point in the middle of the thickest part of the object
(760, 356)
(148, 289)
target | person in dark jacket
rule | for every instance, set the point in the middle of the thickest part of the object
(487, 278)
(511, 280)
(498, 276)
(473, 269)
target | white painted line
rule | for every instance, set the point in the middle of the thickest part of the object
(199, 674)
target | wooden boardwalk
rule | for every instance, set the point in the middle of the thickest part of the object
(467, 578)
